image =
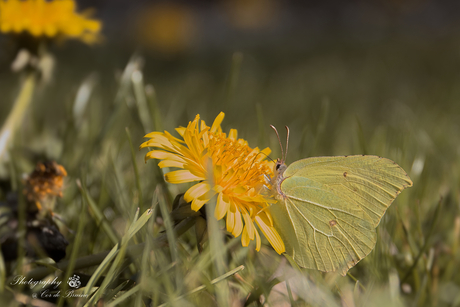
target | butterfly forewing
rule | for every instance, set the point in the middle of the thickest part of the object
(370, 182)
(330, 206)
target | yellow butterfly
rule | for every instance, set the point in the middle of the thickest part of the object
(328, 207)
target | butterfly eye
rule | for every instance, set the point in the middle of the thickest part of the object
(277, 166)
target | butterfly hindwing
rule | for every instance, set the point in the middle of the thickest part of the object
(318, 234)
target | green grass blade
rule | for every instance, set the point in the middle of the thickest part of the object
(121, 298)
(137, 79)
(427, 241)
(213, 282)
(233, 77)
(171, 240)
(155, 113)
(14, 119)
(136, 171)
(216, 242)
(118, 254)
(75, 249)
(2, 273)
(97, 215)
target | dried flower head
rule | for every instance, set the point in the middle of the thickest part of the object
(44, 182)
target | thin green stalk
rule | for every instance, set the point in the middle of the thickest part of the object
(261, 125)
(361, 138)
(425, 246)
(2, 273)
(124, 296)
(216, 242)
(96, 214)
(136, 171)
(214, 281)
(232, 81)
(20, 106)
(153, 107)
(145, 265)
(22, 221)
(137, 80)
(356, 281)
(165, 214)
(119, 256)
(288, 288)
(73, 255)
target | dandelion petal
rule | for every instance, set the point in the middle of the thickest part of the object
(196, 191)
(216, 124)
(222, 206)
(181, 176)
(271, 234)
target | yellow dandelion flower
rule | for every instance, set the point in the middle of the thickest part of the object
(226, 169)
(48, 18)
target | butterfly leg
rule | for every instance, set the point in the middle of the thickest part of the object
(268, 179)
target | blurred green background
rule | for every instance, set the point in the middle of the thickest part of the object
(378, 63)
(347, 77)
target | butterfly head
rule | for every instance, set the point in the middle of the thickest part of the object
(280, 167)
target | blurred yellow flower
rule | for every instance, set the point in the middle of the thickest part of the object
(251, 14)
(226, 169)
(48, 18)
(166, 27)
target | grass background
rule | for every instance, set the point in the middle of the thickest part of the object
(397, 97)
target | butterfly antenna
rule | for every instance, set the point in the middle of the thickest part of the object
(267, 156)
(279, 140)
(287, 142)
